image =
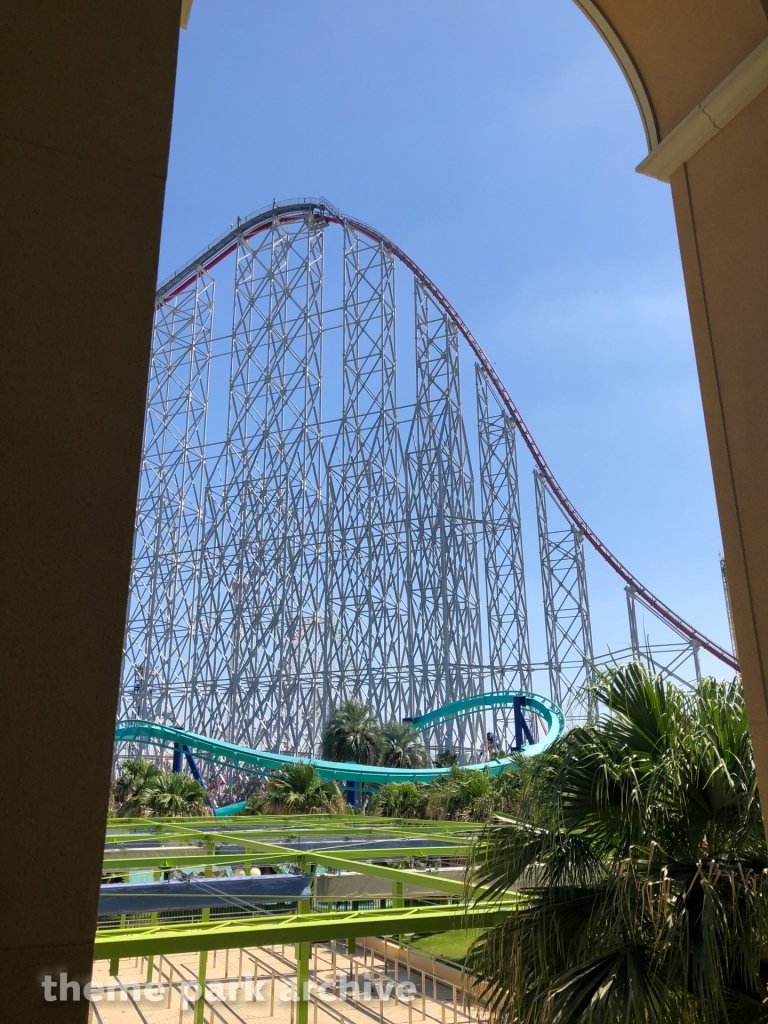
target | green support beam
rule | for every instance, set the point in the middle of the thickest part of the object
(281, 854)
(202, 966)
(396, 852)
(397, 895)
(303, 952)
(118, 829)
(395, 875)
(286, 856)
(121, 864)
(293, 928)
(202, 974)
(398, 902)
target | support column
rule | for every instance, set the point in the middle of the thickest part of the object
(202, 966)
(399, 902)
(721, 205)
(303, 950)
(85, 121)
(202, 972)
(157, 875)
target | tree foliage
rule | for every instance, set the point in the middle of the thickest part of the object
(143, 789)
(401, 746)
(352, 734)
(446, 759)
(639, 846)
(400, 800)
(174, 794)
(463, 795)
(297, 789)
(132, 787)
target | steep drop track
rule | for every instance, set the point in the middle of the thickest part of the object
(294, 210)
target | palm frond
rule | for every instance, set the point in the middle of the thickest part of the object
(638, 848)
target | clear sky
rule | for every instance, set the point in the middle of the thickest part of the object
(495, 141)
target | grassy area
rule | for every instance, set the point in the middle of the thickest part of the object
(451, 945)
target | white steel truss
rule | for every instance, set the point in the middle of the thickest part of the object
(444, 640)
(164, 595)
(509, 654)
(677, 659)
(365, 496)
(566, 606)
(304, 557)
(509, 649)
(259, 665)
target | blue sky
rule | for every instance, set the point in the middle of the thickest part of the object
(495, 141)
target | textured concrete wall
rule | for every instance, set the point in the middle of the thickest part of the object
(721, 205)
(683, 49)
(86, 95)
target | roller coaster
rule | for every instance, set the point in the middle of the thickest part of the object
(183, 741)
(310, 528)
(310, 524)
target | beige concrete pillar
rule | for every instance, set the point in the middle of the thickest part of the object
(721, 205)
(86, 94)
(699, 71)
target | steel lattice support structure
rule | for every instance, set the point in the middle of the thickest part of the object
(318, 550)
(261, 676)
(303, 536)
(365, 506)
(165, 578)
(444, 639)
(509, 653)
(509, 649)
(566, 605)
(670, 659)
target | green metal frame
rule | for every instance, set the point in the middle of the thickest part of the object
(292, 928)
(353, 858)
(298, 823)
(303, 927)
(258, 840)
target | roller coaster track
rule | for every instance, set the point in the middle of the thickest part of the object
(263, 760)
(295, 210)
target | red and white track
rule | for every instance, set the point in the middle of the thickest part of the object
(295, 210)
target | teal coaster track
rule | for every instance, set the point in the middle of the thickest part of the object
(244, 758)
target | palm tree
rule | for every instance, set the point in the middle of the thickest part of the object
(257, 798)
(131, 788)
(352, 734)
(256, 803)
(401, 746)
(445, 759)
(298, 789)
(465, 794)
(174, 794)
(640, 850)
(400, 800)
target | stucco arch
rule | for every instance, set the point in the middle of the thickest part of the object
(630, 70)
(84, 135)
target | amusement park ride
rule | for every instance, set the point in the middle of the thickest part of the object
(310, 528)
(320, 516)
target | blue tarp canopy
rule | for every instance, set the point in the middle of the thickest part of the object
(148, 897)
